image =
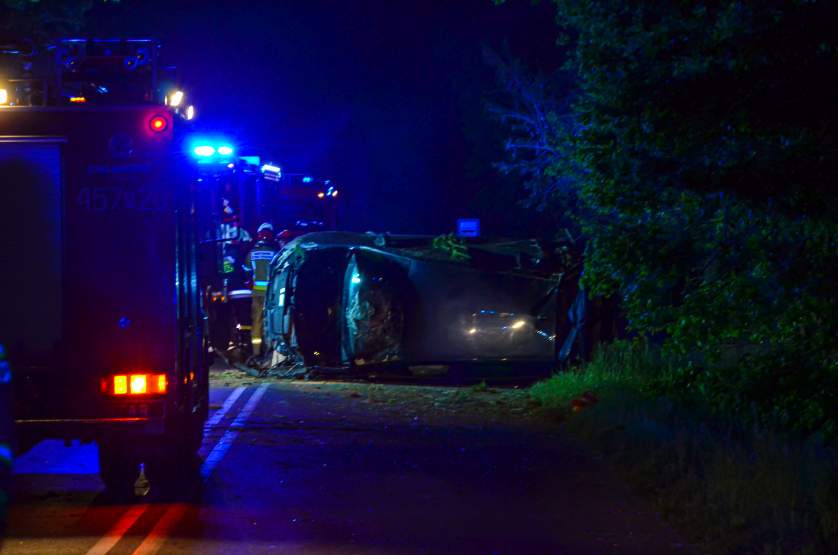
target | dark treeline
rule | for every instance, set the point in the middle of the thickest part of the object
(695, 152)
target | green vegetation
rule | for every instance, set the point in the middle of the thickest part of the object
(614, 369)
(44, 19)
(481, 387)
(452, 247)
(730, 486)
(696, 150)
(694, 146)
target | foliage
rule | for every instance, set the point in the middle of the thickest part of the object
(534, 112)
(454, 247)
(41, 19)
(730, 486)
(620, 366)
(704, 149)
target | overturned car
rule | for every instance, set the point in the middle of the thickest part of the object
(338, 299)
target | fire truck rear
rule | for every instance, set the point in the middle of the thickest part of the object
(101, 314)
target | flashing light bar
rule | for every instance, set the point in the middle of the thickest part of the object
(135, 384)
(212, 150)
(4, 96)
(78, 99)
(190, 112)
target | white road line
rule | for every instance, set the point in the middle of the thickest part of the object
(228, 403)
(232, 432)
(112, 537)
(118, 530)
(154, 540)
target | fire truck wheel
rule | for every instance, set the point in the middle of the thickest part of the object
(118, 467)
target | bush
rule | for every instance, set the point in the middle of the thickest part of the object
(728, 488)
(701, 141)
(615, 368)
(730, 485)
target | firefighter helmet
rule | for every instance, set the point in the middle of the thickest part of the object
(265, 232)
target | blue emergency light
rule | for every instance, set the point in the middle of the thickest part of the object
(209, 150)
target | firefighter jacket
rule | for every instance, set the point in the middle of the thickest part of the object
(258, 260)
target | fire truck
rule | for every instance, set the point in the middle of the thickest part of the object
(242, 195)
(102, 316)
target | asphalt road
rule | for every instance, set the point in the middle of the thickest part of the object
(308, 467)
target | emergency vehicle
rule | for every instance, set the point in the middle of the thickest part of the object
(5, 437)
(102, 315)
(242, 195)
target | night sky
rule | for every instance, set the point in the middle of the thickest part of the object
(386, 98)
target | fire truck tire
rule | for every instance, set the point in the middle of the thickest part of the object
(118, 468)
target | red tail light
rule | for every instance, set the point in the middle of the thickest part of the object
(135, 384)
(138, 384)
(158, 123)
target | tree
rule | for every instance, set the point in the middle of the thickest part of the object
(705, 148)
(42, 19)
(534, 112)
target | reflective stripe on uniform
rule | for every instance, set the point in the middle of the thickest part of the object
(262, 255)
(260, 285)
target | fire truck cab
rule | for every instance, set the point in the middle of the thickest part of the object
(102, 316)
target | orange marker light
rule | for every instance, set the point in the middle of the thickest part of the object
(120, 385)
(78, 99)
(161, 383)
(139, 384)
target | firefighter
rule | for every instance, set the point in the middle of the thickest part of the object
(258, 261)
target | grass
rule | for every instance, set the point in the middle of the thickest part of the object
(611, 371)
(481, 387)
(727, 488)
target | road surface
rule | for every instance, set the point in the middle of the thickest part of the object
(337, 468)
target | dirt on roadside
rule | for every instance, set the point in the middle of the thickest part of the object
(476, 404)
